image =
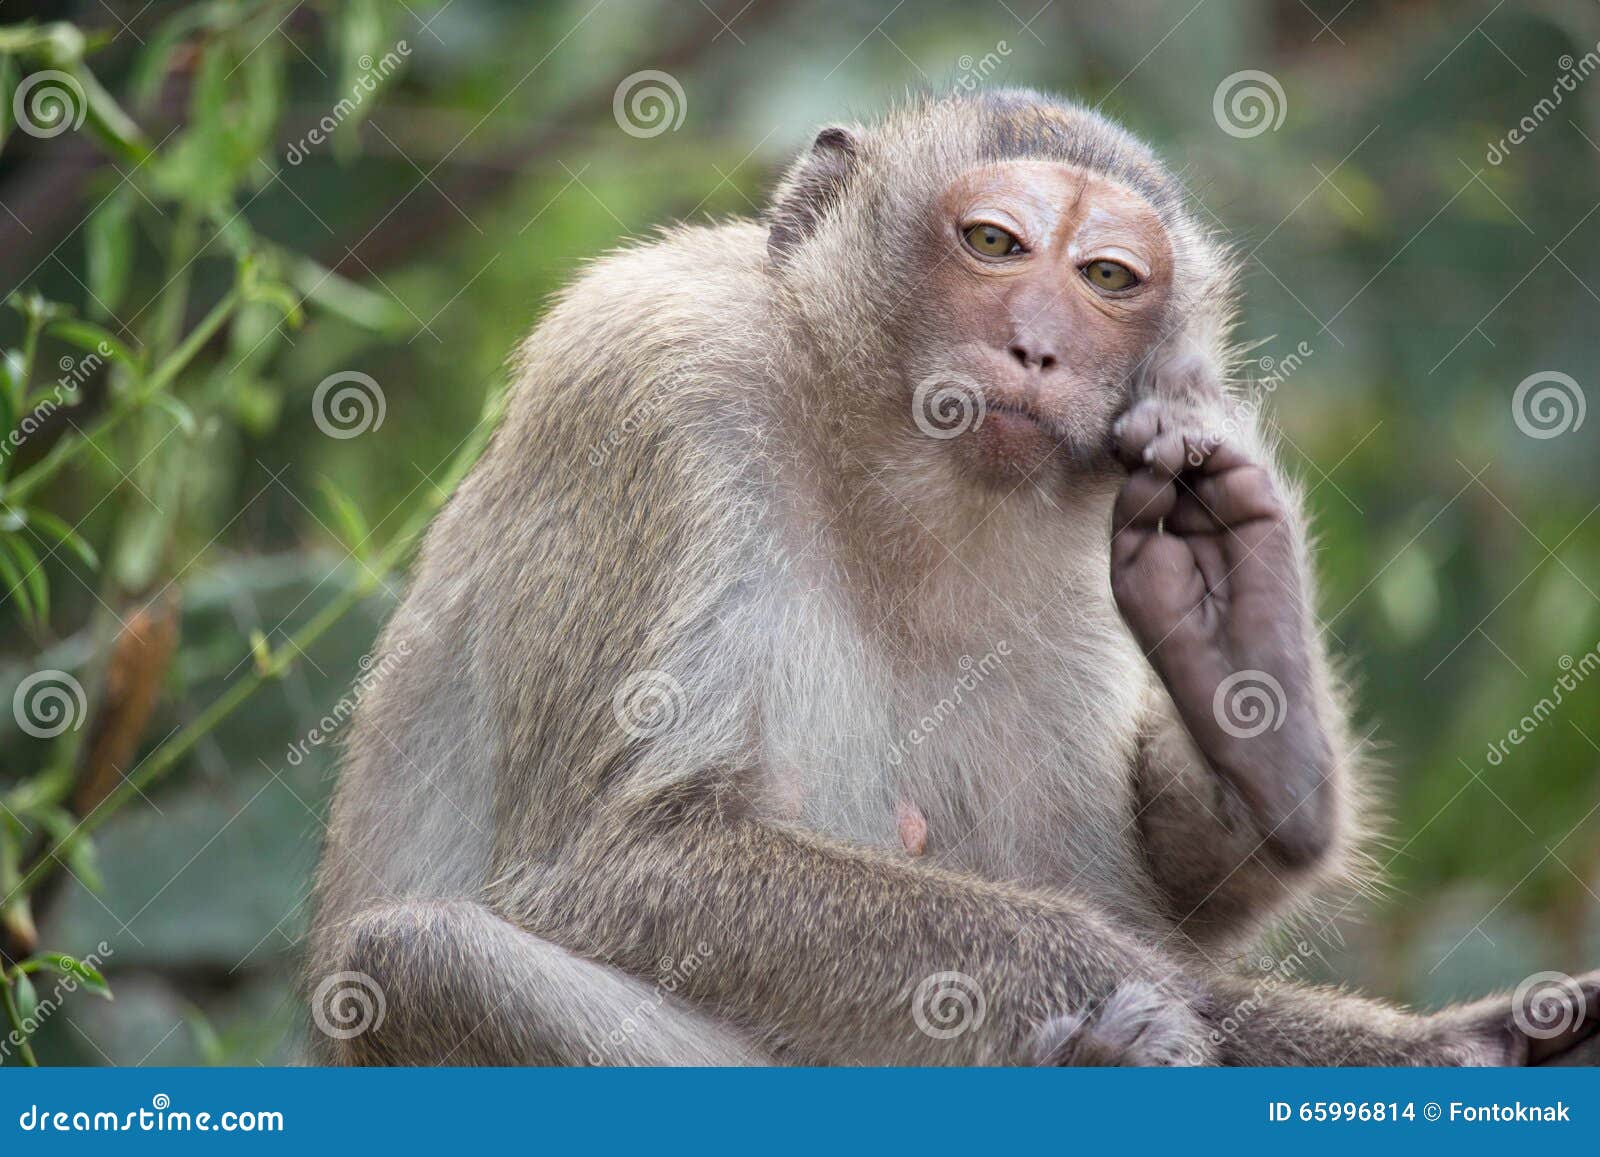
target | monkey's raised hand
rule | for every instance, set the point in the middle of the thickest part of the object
(1205, 569)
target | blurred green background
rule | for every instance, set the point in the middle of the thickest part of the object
(1407, 266)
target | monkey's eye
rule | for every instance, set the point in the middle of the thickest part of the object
(1110, 275)
(992, 241)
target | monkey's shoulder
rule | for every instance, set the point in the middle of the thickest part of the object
(649, 328)
(690, 285)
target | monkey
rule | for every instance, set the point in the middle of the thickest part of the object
(887, 606)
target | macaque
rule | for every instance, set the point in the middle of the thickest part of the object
(887, 606)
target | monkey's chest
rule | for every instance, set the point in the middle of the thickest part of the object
(1004, 765)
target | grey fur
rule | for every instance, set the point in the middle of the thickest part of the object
(767, 541)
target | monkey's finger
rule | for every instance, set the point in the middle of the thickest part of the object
(1221, 456)
(1242, 494)
(1132, 432)
(1190, 515)
(1145, 499)
(1171, 453)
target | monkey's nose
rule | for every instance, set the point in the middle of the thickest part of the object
(1031, 355)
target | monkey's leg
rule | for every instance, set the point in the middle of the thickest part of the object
(846, 954)
(460, 986)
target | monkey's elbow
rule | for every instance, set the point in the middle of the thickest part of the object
(1302, 850)
(1306, 838)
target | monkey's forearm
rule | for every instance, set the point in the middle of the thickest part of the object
(1202, 843)
(1207, 848)
(832, 950)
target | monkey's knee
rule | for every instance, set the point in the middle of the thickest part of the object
(450, 982)
(1138, 1024)
(391, 992)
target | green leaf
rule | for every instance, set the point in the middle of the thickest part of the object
(150, 65)
(363, 42)
(353, 530)
(345, 298)
(206, 1041)
(89, 976)
(254, 404)
(15, 586)
(56, 528)
(140, 549)
(24, 579)
(234, 104)
(81, 855)
(275, 294)
(108, 250)
(105, 118)
(27, 998)
(84, 860)
(33, 576)
(181, 413)
(255, 334)
(89, 336)
(8, 85)
(59, 44)
(11, 387)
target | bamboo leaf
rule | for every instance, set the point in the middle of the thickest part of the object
(353, 530)
(16, 586)
(27, 997)
(108, 250)
(181, 413)
(8, 86)
(116, 130)
(348, 300)
(57, 528)
(90, 977)
(89, 336)
(80, 852)
(11, 389)
(33, 576)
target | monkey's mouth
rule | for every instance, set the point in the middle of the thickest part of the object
(1022, 419)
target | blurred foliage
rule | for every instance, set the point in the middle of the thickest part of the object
(173, 514)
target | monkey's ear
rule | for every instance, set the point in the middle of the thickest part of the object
(813, 188)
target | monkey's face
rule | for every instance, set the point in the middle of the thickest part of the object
(1046, 286)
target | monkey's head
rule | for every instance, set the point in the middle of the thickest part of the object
(987, 274)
